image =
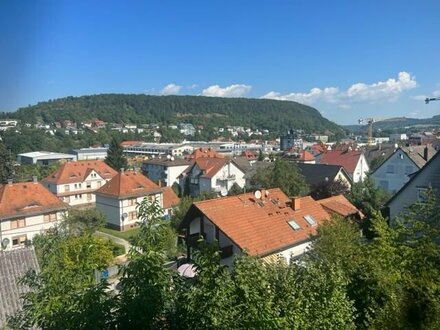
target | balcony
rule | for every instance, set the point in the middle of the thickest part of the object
(226, 251)
(230, 177)
(193, 239)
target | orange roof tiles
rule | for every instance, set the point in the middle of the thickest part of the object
(205, 153)
(129, 183)
(210, 166)
(72, 172)
(347, 159)
(306, 156)
(21, 199)
(341, 206)
(261, 226)
(170, 198)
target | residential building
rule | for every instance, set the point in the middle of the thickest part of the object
(7, 124)
(398, 137)
(75, 183)
(416, 187)
(165, 169)
(170, 200)
(14, 265)
(90, 153)
(211, 174)
(266, 225)
(394, 172)
(341, 206)
(119, 197)
(353, 161)
(321, 174)
(27, 209)
(44, 157)
(293, 138)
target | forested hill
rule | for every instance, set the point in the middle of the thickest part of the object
(209, 111)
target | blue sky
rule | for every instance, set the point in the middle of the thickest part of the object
(349, 59)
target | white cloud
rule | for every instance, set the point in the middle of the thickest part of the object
(236, 90)
(387, 90)
(193, 86)
(171, 89)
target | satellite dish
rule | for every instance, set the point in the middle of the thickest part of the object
(172, 159)
(168, 157)
(257, 194)
(124, 216)
(223, 192)
(5, 243)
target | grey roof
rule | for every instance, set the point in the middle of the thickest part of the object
(315, 174)
(383, 149)
(13, 265)
(417, 153)
(168, 162)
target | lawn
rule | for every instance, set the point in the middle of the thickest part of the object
(121, 234)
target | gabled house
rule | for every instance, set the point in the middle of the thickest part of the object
(166, 170)
(353, 161)
(208, 175)
(416, 187)
(394, 172)
(27, 209)
(267, 224)
(119, 198)
(317, 175)
(76, 182)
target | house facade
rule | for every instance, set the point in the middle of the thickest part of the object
(267, 225)
(353, 161)
(27, 209)
(394, 172)
(166, 169)
(416, 187)
(75, 183)
(118, 199)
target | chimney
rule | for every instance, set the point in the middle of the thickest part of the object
(35, 179)
(9, 181)
(122, 170)
(160, 183)
(425, 153)
(296, 203)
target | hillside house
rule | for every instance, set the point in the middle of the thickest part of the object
(75, 183)
(27, 209)
(267, 225)
(165, 169)
(353, 161)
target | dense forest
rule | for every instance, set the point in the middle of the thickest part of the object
(276, 116)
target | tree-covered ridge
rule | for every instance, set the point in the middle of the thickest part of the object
(208, 111)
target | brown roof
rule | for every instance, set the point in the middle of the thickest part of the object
(306, 156)
(340, 205)
(21, 199)
(417, 154)
(129, 183)
(261, 226)
(72, 172)
(345, 158)
(210, 166)
(170, 198)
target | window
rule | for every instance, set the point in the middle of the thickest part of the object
(89, 185)
(132, 215)
(18, 223)
(98, 184)
(79, 186)
(76, 186)
(310, 220)
(19, 240)
(292, 223)
(131, 201)
(67, 199)
(50, 217)
(390, 168)
(89, 197)
(66, 187)
(151, 198)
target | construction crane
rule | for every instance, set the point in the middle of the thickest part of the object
(369, 122)
(429, 99)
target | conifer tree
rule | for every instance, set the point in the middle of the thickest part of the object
(115, 158)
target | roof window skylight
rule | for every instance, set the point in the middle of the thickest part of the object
(294, 225)
(310, 220)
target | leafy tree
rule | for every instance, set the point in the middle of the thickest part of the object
(376, 162)
(115, 158)
(180, 210)
(284, 175)
(6, 164)
(235, 190)
(87, 220)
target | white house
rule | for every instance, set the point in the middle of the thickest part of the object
(165, 169)
(353, 161)
(414, 189)
(394, 172)
(267, 225)
(118, 199)
(27, 209)
(75, 183)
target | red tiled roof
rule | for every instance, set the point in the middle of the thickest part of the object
(210, 166)
(249, 155)
(204, 153)
(341, 206)
(306, 156)
(72, 172)
(346, 159)
(20, 199)
(170, 198)
(261, 226)
(130, 143)
(128, 183)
